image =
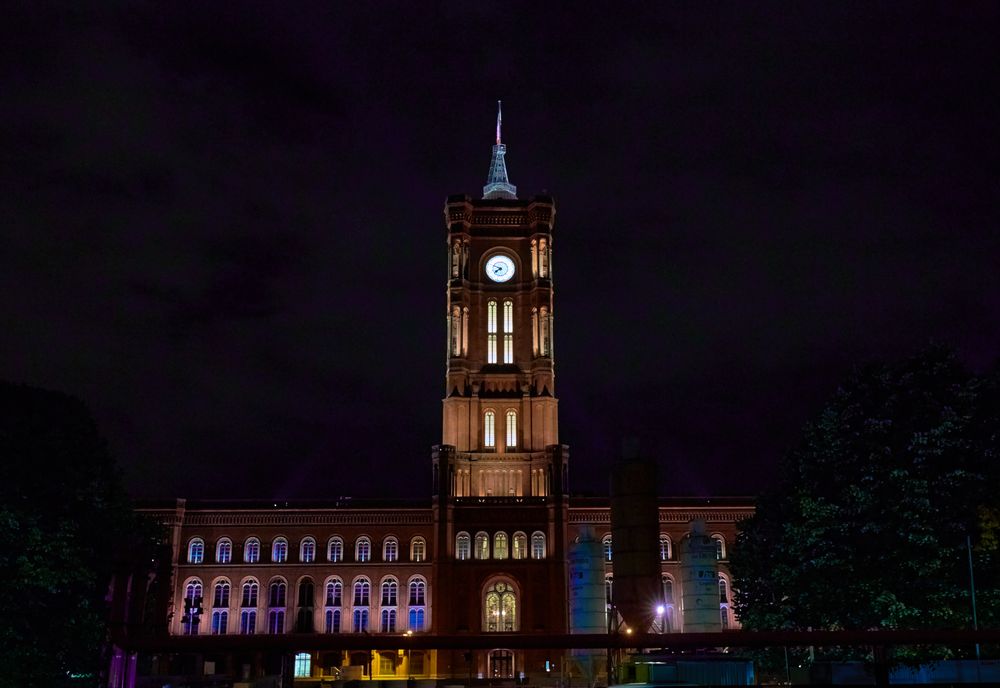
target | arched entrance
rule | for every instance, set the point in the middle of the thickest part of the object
(501, 664)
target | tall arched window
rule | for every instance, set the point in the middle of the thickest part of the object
(224, 551)
(249, 594)
(390, 592)
(390, 549)
(482, 546)
(306, 602)
(538, 545)
(416, 602)
(335, 549)
(491, 331)
(500, 545)
(664, 547)
(418, 549)
(388, 621)
(720, 547)
(500, 608)
(508, 330)
(196, 551)
(220, 608)
(192, 607)
(724, 603)
(279, 550)
(332, 603)
(307, 550)
(606, 546)
(489, 429)
(609, 581)
(251, 551)
(248, 607)
(362, 549)
(511, 428)
(331, 620)
(544, 332)
(463, 547)
(520, 548)
(276, 601)
(667, 584)
(362, 600)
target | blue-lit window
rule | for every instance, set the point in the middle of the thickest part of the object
(335, 549)
(251, 551)
(192, 607)
(363, 549)
(332, 621)
(307, 550)
(388, 619)
(417, 619)
(276, 621)
(279, 550)
(248, 621)
(360, 620)
(537, 545)
(220, 621)
(303, 665)
(224, 551)
(606, 546)
(196, 551)
(334, 593)
(463, 547)
(390, 593)
(390, 549)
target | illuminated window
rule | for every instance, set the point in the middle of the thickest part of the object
(463, 546)
(249, 596)
(606, 546)
(520, 549)
(390, 592)
(544, 332)
(331, 621)
(362, 592)
(220, 621)
(417, 593)
(335, 549)
(538, 545)
(664, 547)
(418, 549)
(500, 608)
(192, 607)
(720, 547)
(196, 551)
(276, 621)
(334, 593)
(303, 665)
(491, 331)
(224, 551)
(417, 620)
(276, 594)
(511, 429)
(248, 621)
(363, 549)
(220, 608)
(390, 549)
(360, 621)
(723, 590)
(489, 429)
(482, 546)
(307, 550)
(279, 550)
(508, 328)
(251, 551)
(500, 546)
(388, 619)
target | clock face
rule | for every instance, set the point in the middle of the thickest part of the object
(499, 268)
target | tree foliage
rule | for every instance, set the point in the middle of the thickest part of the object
(65, 525)
(867, 526)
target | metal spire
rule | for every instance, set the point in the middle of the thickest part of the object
(497, 185)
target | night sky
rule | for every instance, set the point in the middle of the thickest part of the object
(223, 229)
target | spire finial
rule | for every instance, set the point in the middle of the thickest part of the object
(498, 122)
(497, 184)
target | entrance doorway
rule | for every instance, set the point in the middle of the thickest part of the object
(501, 664)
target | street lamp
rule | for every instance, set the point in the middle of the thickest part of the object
(409, 673)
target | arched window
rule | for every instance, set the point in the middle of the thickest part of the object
(248, 607)
(220, 596)
(665, 547)
(276, 594)
(720, 547)
(489, 429)
(667, 584)
(192, 607)
(390, 592)
(609, 580)
(418, 549)
(307, 550)
(224, 551)
(508, 329)
(723, 590)
(390, 549)
(196, 551)
(482, 546)
(331, 620)
(463, 546)
(333, 601)
(416, 619)
(520, 546)
(304, 617)
(511, 429)
(362, 549)
(491, 331)
(335, 549)
(388, 621)
(500, 608)
(303, 665)
(538, 545)
(279, 550)
(725, 611)
(360, 620)
(500, 545)
(417, 592)
(362, 592)
(606, 546)
(251, 551)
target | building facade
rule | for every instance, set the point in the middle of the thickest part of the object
(487, 552)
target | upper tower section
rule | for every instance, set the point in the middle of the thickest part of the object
(497, 184)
